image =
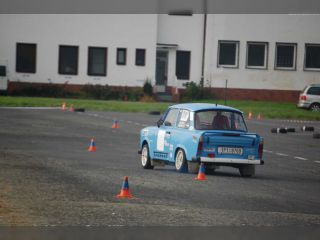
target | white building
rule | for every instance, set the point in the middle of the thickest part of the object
(262, 56)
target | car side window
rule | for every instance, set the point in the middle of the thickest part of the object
(314, 91)
(171, 117)
(184, 119)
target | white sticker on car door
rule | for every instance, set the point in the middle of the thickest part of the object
(160, 140)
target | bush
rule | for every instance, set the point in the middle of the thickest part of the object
(30, 90)
(194, 91)
(147, 88)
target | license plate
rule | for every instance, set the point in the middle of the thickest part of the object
(230, 150)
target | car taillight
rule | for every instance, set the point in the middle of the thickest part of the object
(200, 145)
(260, 150)
(303, 97)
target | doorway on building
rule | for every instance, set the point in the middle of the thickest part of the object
(161, 70)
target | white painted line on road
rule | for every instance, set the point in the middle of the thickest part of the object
(137, 123)
(267, 151)
(129, 121)
(145, 125)
(282, 154)
(301, 158)
(317, 161)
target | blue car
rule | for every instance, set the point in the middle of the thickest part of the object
(189, 134)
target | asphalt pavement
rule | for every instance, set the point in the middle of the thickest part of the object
(48, 178)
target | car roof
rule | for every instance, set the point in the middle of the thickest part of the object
(203, 106)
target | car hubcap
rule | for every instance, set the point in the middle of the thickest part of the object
(144, 156)
(179, 160)
(315, 108)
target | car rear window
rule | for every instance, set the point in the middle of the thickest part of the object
(219, 120)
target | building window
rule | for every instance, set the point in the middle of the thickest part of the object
(312, 57)
(97, 61)
(140, 57)
(183, 65)
(257, 55)
(228, 53)
(181, 13)
(26, 58)
(68, 60)
(286, 56)
(121, 56)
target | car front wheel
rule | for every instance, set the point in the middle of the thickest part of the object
(181, 161)
(145, 157)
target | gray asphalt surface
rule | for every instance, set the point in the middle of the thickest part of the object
(47, 176)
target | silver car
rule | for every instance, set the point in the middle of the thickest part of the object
(310, 98)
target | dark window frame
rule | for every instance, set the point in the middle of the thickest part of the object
(144, 57)
(236, 55)
(295, 45)
(187, 77)
(34, 69)
(266, 51)
(77, 60)
(105, 62)
(125, 56)
(305, 58)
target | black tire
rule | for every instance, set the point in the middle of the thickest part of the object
(145, 157)
(210, 170)
(315, 107)
(155, 113)
(316, 135)
(290, 129)
(307, 129)
(79, 110)
(181, 163)
(247, 170)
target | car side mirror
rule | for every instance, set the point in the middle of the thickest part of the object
(159, 122)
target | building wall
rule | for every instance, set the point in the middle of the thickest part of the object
(187, 33)
(110, 31)
(298, 29)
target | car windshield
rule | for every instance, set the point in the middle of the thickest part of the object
(219, 120)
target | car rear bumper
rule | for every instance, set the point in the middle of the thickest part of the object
(303, 105)
(229, 160)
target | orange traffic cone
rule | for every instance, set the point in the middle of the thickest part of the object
(71, 108)
(64, 106)
(259, 117)
(125, 192)
(250, 115)
(201, 175)
(115, 124)
(92, 147)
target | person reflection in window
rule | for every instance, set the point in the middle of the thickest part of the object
(220, 121)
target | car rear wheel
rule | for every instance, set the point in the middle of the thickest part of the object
(315, 107)
(181, 161)
(247, 170)
(145, 157)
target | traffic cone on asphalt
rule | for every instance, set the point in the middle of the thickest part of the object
(92, 147)
(201, 175)
(250, 115)
(64, 106)
(71, 108)
(259, 117)
(115, 124)
(125, 192)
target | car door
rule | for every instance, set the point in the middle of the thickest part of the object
(163, 137)
(179, 135)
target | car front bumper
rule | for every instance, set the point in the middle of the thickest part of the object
(228, 160)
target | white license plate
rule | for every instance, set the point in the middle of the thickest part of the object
(230, 150)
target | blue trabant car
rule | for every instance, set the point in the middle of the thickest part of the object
(188, 134)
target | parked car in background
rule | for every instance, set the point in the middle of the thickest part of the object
(310, 98)
(188, 134)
